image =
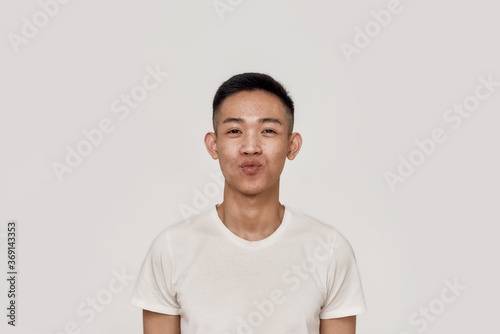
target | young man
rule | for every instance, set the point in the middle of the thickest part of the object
(250, 264)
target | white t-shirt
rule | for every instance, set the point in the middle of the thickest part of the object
(221, 283)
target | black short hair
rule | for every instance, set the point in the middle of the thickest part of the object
(250, 82)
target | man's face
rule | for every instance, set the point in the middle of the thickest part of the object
(252, 141)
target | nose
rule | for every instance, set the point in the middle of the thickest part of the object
(250, 145)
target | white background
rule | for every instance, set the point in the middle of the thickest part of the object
(356, 118)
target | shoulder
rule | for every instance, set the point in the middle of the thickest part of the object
(323, 232)
(183, 230)
(311, 224)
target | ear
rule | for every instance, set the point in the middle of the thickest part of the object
(294, 145)
(211, 144)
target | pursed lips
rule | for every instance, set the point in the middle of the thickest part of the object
(251, 163)
(250, 166)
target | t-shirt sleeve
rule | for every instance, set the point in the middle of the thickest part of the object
(344, 292)
(154, 289)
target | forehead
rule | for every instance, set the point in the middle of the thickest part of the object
(252, 104)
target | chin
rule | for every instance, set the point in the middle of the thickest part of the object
(254, 189)
(248, 189)
(251, 187)
(251, 190)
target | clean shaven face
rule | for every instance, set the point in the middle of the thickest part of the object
(252, 141)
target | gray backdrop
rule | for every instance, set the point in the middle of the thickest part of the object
(105, 105)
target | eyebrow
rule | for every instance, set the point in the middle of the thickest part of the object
(261, 120)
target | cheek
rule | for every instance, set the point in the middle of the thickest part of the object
(226, 154)
(277, 158)
(278, 150)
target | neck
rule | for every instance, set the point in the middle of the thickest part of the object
(251, 217)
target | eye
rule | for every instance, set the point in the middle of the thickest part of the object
(233, 131)
(269, 131)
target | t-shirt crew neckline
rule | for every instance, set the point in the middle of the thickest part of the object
(252, 244)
